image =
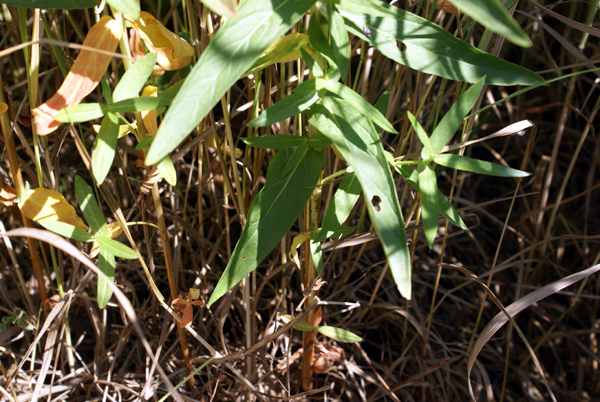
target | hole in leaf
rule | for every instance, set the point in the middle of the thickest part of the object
(376, 201)
(402, 46)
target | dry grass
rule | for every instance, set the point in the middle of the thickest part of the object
(522, 236)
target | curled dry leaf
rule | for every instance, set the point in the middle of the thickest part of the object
(84, 76)
(326, 355)
(8, 195)
(42, 203)
(173, 52)
(183, 305)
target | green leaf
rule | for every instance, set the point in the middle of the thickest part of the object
(340, 207)
(233, 50)
(312, 64)
(115, 248)
(272, 213)
(303, 326)
(105, 147)
(428, 187)
(319, 141)
(134, 79)
(319, 42)
(360, 105)
(61, 4)
(106, 264)
(278, 141)
(130, 8)
(137, 104)
(477, 166)
(144, 143)
(427, 151)
(167, 170)
(89, 207)
(492, 15)
(67, 230)
(452, 120)
(284, 49)
(316, 254)
(81, 112)
(340, 335)
(427, 47)
(288, 107)
(443, 205)
(356, 139)
(382, 104)
(339, 40)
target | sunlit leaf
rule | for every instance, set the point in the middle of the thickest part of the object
(44, 204)
(427, 147)
(340, 335)
(355, 137)
(133, 80)
(66, 230)
(282, 50)
(427, 47)
(116, 248)
(173, 52)
(149, 116)
(84, 76)
(105, 147)
(106, 264)
(272, 213)
(90, 208)
(339, 39)
(428, 192)
(114, 230)
(465, 163)
(492, 15)
(233, 50)
(130, 8)
(340, 207)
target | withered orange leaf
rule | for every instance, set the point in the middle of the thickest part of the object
(173, 52)
(42, 203)
(84, 76)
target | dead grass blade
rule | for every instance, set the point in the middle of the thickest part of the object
(502, 318)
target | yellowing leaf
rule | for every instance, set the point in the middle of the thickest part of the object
(84, 76)
(42, 203)
(282, 50)
(8, 195)
(114, 230)
(123, 129)
(3, 108)
(149, 116)
(173, 52)
(297, 242)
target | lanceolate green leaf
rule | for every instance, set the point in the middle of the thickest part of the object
(287, 107)
(356, 139)
(61, 4)
(272, 213)
(492, 15)
(426, 46)
(91, 111)
(452, 120)
(233, 50)
(115, 248)
(137, 104)
(134, 79)
(443, 205)
(105, 147)
(130, 8)
(89, 207)
(477, 166)
(360, 105)
(340, 207)
(339, 40)
(167, 170)
(67, 230)
(428, 187)
(279, 141)
(427, 151)
(106, 264)
(340, 335)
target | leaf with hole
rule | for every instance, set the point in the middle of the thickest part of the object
(427, 47)
(356, 139)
